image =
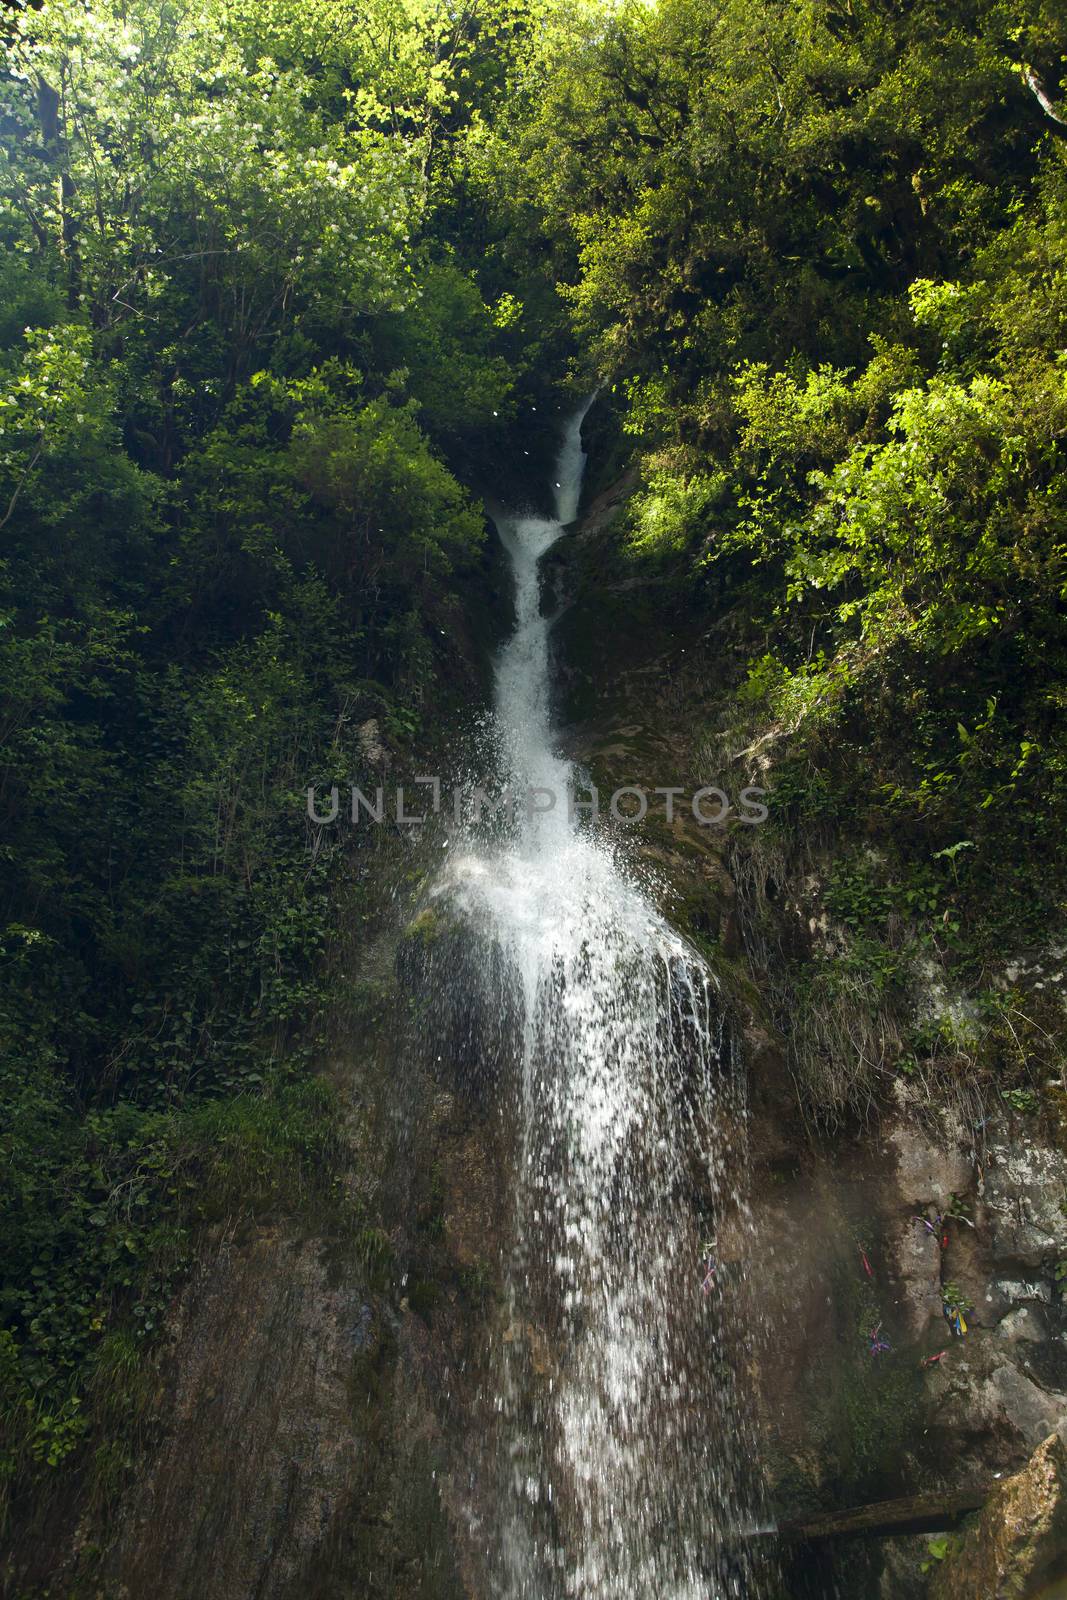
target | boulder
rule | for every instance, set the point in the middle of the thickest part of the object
(1018, 1548)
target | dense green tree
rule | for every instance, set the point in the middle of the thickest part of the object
(240, 356)
(817, 251)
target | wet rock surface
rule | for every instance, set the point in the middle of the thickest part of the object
(296, 1450)
(845, 1252)
(986, 1411)
(262, 1456)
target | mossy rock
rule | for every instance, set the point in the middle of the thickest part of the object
(426, 928)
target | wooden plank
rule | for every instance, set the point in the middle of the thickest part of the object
(917, 1513)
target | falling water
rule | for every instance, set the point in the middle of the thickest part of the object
(625, 1460)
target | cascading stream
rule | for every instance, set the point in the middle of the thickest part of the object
(625, 1459)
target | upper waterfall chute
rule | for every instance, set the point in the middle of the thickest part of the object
(570, 466)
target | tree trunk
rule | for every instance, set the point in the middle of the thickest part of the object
(48, 114)
(917, 1513)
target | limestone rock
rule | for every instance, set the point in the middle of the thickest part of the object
(1024, 1323)
(369, 737)
(928, 1173)
(1018, 1548)
(1025, 1192)
(1004, 1294)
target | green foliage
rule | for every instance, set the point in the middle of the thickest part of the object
(940, 1548)
(245, 330)
(1023, 1100)
(953, 1297)
(447, 357)
(751, 180)
(671, 512)
(98, 1217)
(817, 252)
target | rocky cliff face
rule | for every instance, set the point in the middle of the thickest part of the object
(870, 1234)
(321, 1407)
(296, 1442)
(264, 1466)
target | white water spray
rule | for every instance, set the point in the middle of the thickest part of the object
(625, 1460)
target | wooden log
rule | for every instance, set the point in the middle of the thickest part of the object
(916, 1513)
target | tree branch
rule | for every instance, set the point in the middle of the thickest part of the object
(1040, 94)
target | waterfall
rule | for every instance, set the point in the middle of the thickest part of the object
(625, 1459)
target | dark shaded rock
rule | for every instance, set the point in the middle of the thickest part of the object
(261, 1456)
(986, 1409)
(292, 1460)
(467, 1000)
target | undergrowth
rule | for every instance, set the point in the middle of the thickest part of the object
(136, 1191)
